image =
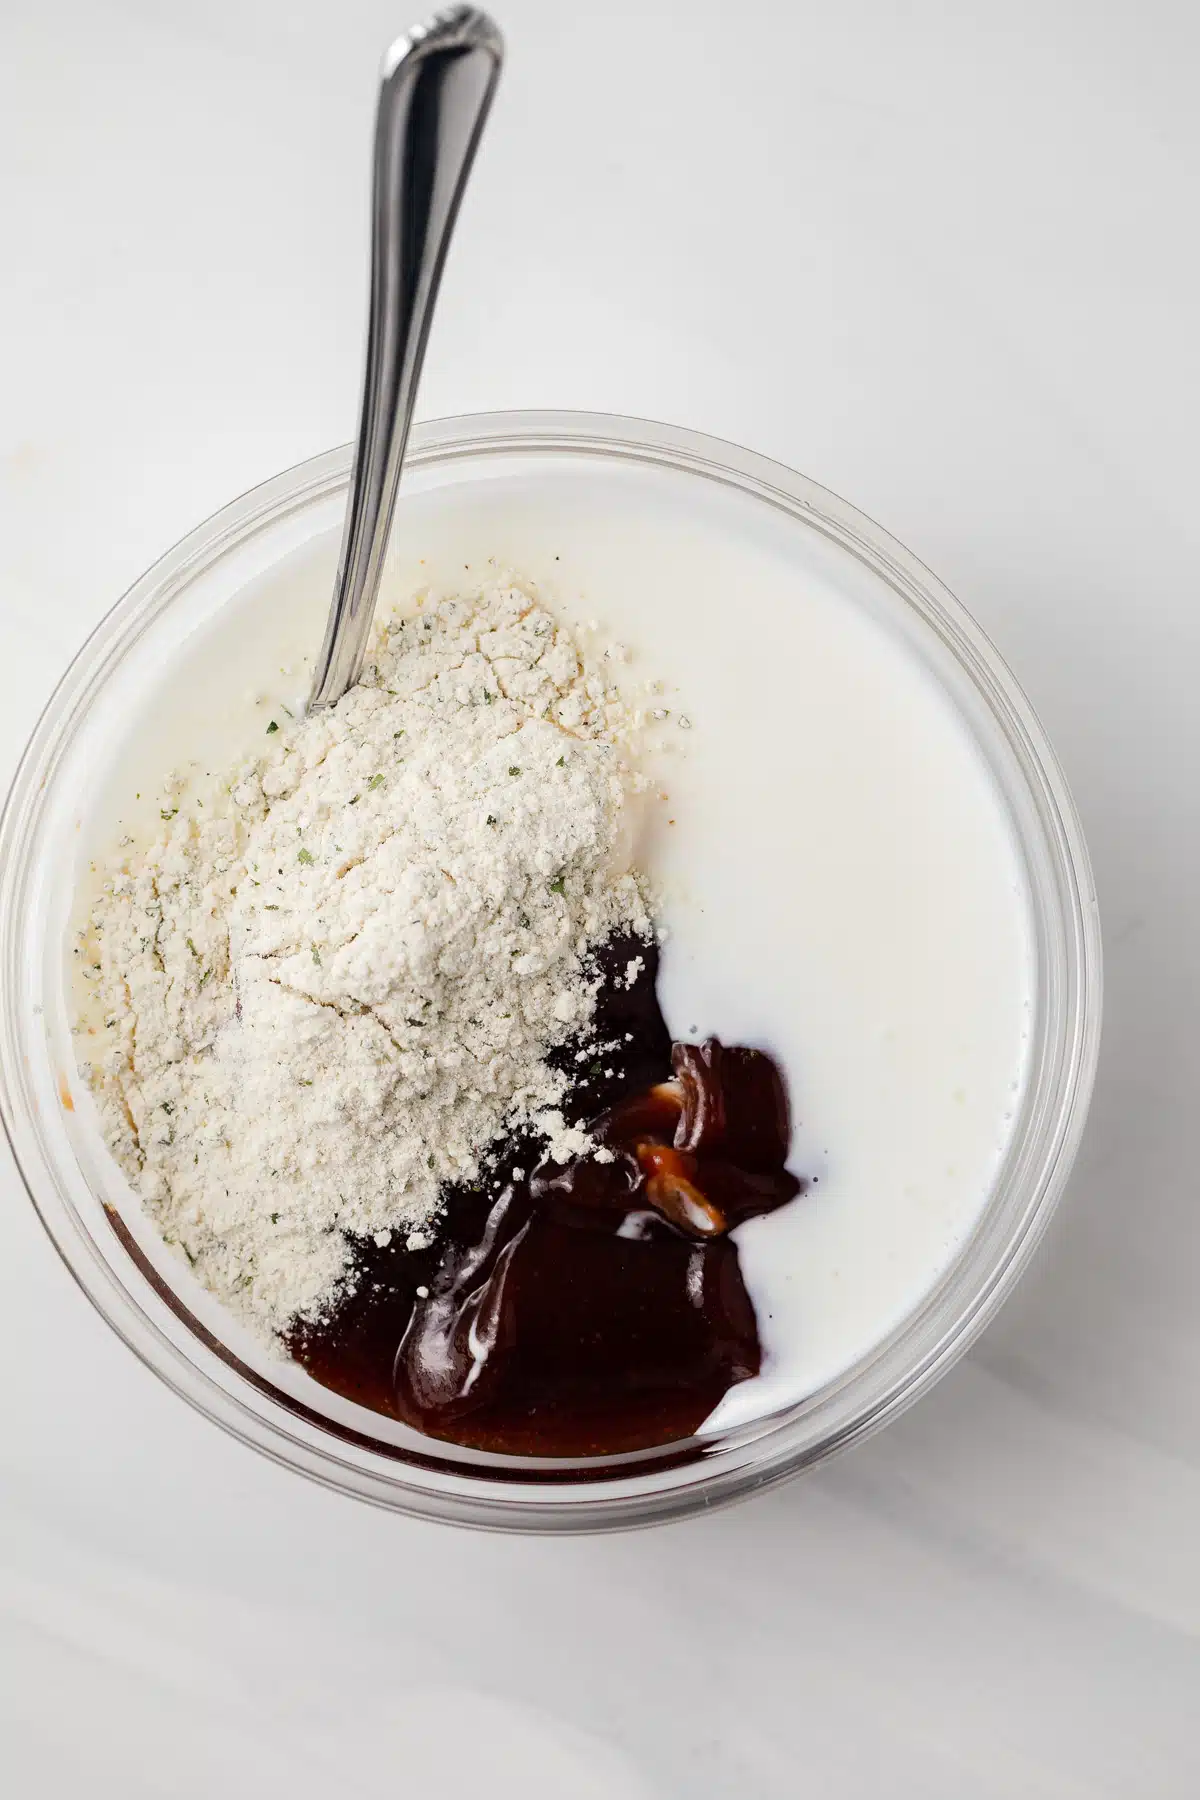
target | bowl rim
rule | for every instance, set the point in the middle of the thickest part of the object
(604, 1500)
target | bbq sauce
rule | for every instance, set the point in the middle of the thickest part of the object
(590, 1308)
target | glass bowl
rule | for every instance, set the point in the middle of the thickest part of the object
(119, 1262)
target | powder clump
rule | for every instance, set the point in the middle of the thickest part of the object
(330, 984)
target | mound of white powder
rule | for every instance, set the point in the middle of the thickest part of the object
(330, 984)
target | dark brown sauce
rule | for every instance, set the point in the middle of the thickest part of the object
(591, 1308)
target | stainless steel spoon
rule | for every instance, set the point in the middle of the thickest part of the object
(435, 91)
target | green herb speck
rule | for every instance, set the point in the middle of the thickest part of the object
(191, 946)
(514, 768)
(274, 1218)
(304, 856)
(375, 781)
(167, 812)
(316, 956)
(561, 763)
(273, 726)
(557, 887)
(491, 819)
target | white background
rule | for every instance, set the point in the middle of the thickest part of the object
(943, 258)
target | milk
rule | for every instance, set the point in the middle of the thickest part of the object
(839, 879)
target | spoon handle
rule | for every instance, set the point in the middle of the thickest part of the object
(435, 91)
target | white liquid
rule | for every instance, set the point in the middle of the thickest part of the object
(841, 883)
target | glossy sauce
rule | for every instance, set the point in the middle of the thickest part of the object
(590, 1308)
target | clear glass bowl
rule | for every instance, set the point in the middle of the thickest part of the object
(138, 1288)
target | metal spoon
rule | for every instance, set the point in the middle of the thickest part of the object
(435, 91)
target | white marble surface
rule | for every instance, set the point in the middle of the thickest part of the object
(943, 258)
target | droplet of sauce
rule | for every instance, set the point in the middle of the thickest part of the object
(588, 1308)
